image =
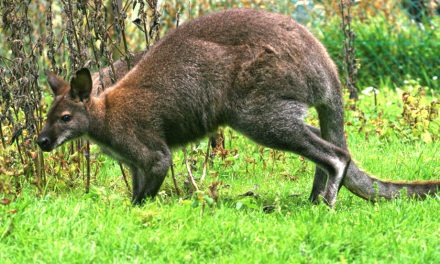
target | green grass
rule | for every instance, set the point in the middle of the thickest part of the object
(67, 226)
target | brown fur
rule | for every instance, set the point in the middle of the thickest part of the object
(255, 71)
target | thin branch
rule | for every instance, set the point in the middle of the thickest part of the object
(349, 48)
(205, 162)
(124, 177)
(188, 168)
(174, 179)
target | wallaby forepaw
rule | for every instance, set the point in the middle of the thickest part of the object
(316, 198)
(137, 201)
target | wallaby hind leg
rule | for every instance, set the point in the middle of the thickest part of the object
(331, 119)
(320, 178)
(279, 125)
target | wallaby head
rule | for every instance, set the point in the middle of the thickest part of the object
(67, 118)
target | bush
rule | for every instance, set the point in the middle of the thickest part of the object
(389, 53)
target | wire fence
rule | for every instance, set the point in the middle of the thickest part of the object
(387, 42)
(394, 40)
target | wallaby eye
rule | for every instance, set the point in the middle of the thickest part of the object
(66, 118)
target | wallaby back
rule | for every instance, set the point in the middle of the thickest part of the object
(104, 77)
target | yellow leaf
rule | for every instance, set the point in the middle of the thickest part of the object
(426, 137)
(425, 124)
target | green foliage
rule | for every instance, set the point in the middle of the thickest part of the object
(386, 50)
(420, 118)
(415, 117)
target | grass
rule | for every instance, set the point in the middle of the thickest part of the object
(68, 226)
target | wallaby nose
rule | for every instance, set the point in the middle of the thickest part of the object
(44, 143)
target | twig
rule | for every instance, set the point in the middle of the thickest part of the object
(2, 136)
(188, 167)
(349, 49)
(120, 21)
(174, 179)
(73, 28)
(154, 25)
(124, 177)
(141, 13)
(4, 58)
(50, 40)
(205, 162)
(87, 156)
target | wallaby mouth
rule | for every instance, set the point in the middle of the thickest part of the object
(44, 143)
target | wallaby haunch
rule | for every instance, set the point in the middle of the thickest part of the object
(255, 71)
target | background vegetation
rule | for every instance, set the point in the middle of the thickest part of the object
(253, 203)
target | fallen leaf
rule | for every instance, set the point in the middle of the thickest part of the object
(5, 201)
(268, 209)
(250, 193)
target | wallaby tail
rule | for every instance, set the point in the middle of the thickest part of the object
(372, 189)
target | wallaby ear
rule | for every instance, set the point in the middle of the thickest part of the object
(81, 85)
(56, 83)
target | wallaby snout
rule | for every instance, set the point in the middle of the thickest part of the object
(52, 136)
(44, 143)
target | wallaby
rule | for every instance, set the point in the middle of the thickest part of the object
(254, 71)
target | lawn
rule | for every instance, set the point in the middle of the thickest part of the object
(275, 223)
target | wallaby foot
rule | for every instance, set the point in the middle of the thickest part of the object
(332, 189)
(326, 190)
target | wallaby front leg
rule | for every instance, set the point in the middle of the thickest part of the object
(148, 162)
(149, 175)
(136, 176)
